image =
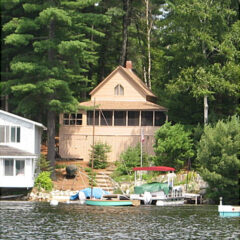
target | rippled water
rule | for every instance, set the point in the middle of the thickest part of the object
(28, 220)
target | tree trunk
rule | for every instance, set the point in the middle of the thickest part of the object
(205, 110)
(149, 27)
(51, 116)
(123, 56)
(51, 123)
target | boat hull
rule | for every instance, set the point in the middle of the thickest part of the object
(229, 211)
(96, 202)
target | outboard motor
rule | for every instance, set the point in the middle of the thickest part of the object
(147, 198)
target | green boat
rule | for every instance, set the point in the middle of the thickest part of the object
(112, 200)
(101, 202)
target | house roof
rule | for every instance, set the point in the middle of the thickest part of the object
(132, 76)
(11, 151)
(23, 119)
(124, 105)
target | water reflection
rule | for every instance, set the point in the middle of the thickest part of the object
(26, 220)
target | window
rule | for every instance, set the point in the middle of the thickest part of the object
(119, 118)
(106, 118)
(20, 166)
(14, 167)
(72, 119)
(90, 118)
(133, 118)
(8, 166)
(10, 134)
(146, 118)
(160, 118)
(119, 90)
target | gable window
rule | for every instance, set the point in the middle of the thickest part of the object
(106, 118)
(119, 90)
(90, 118)
(133, 118)
(119, 118)
(14, 167)
(160, 118)
(10, 134)
(72, 119)
(147, 118)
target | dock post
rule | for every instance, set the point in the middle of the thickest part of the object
(195, 200)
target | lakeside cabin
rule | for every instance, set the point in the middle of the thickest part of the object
(125, 113)
(20, 143)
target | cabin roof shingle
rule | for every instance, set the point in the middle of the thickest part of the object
(123, 105)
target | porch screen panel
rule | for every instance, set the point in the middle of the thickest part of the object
(160, 118)
(106, 118)
(8, 167)
(90, 118)
(119, 118)
(20, 167)
(147, 118)
(133, 118)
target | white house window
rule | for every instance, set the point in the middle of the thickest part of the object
(119, 90)
(14, 167)
(72, 119)
(10, 134)
(8, 166)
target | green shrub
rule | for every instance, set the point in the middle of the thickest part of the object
(91, 176)
(59, 166)
(44, 164)
(98, 154)
(173, 146)
(44, 181)
(129, 159)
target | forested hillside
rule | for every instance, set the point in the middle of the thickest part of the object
(54, 52)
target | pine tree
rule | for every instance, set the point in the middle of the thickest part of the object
(54, 53)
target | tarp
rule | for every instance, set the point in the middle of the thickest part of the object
(154, 168)
(97, 193)
(152, 187)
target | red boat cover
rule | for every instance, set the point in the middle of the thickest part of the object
(157, 168)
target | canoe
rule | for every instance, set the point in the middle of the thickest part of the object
(101, 202)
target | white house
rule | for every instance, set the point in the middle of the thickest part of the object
(20, 145)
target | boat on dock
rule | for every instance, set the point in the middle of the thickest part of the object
(112, 200)
(159, 194)
(228, 210)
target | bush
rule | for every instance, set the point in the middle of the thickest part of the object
(173, 146)
(44, 164)
(98, 154)
(129, 159)
(218, 155)
(91, 176)
(44, 181)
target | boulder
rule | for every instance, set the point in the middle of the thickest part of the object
(71, 171)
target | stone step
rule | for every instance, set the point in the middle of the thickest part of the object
(103, 180)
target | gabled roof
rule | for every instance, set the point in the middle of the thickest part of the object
(131, 75)
(14, 152)
(23, 119)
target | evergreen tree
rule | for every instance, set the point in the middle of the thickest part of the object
(218, 155)
(54, 55)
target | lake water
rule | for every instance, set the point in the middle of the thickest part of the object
(37, 220)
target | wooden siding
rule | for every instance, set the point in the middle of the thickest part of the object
(76, 141)
(132, 92)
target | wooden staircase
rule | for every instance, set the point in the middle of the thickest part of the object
(103, 180)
